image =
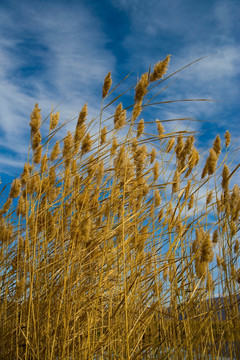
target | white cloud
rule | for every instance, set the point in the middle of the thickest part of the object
(67, 51)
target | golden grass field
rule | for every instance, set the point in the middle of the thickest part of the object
(114, 241)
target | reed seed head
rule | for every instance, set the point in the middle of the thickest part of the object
(36, 118)
(86, 144)
(55, 151)
(160, 69)
(82, 116)
(67, 145)
(206, 249)
(215, 236)
(152, 155)
(52, 176)
(191, 202)
(38, 154)
(187, 189)
(212, 162)
(140, 128)
(114, 146)
(192, 161)
(141, 88)
(188, 146)
(179, 147)
(209, 197)
(205, 170)
(157, 198)
(155, 171)
(106, 85)
(170, 145)
(6, 206)
(176, 182)
(137, 109)
(227, 138)
(160, 128)
(21, 206)
(25, 174)
(54, 119)
(36, 140)
(217, 145)
(15, 188)
(209, 281)
(119, 117)
(236, 246)
(44, 164)
(103, 135)
(225, 177)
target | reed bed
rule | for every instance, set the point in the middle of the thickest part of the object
(116, 242)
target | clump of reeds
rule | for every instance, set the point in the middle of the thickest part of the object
(107, 249)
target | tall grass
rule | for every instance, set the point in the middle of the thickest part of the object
(115, 242)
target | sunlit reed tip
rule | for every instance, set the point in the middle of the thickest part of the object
(36, 117)
(15, 188)
(106, 85)
(54, 119)
(141, 88)
(160, 69)
(140, 128)
(227, 138)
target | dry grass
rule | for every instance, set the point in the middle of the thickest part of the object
(105, 240)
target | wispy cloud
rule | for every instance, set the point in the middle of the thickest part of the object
(49, 53)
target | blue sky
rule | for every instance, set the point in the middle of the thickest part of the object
(54, 51)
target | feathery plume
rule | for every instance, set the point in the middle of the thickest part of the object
(140, 128)
(152, 155)
(160, 69)
(227, 138)
(176, 182)
(106, 85)
(38, 154)
(137, 109)
(236, 246)
(212, 161)
(114, 146)
(206, 249)
(155, 171)
(225, 177)
(157, 198)
(170, 145)
(25, 174)
(209, 198)
(54, 119)
(67, 144)
(215, 236)
(36, 117)
(191, 202)
(160, 128)
(103, 135)
(55, 151)
(86, 144)
(179, 147)
(15, 188)
(141, 88)
(187, 189)
(82, 116)
(36, 140)
(217, 145)
(119, 117)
